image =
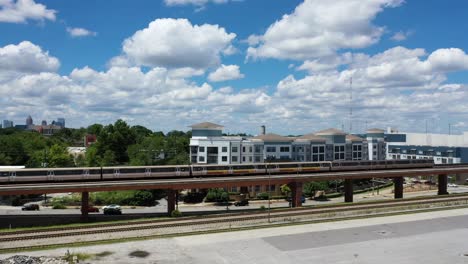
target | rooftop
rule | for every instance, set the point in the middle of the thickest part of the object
(270, 137)
(330, 132)
(375, 130)
(354, 138)
(206, 125)
(311, 137)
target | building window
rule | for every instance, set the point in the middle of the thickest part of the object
(243, 149)
(243, 159)
(224, 158)
(271, 149)
(318, 153)
(257, 159)
(339, 153)
(201, 159)
(250, 149)
(357, 152)
(234, 189)
(234, 149)
(257, 188)
(250, 159)
(284, 149)
(234, 158)
(194, 159)
(224, 149)
(201, 149)
(272, 188)
(258, 149)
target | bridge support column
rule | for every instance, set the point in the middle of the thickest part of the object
(398, 183)
(171, 201)
(296, 194)
(442, 182)
(348, 190)
(84, 205)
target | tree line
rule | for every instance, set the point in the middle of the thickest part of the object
(117, 144)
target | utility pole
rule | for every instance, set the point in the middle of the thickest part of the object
(351, 105)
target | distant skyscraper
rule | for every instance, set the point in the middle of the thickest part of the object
(7, 123)
(44, 123)
(29, 121)
(60, 122)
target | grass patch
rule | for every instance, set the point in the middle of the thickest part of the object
(139, 254)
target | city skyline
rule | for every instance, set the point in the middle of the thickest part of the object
(286, 65)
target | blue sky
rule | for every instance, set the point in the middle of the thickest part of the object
(286, 64)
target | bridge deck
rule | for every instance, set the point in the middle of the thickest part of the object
(213, 182)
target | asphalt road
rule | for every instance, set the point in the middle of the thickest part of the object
(162, 207)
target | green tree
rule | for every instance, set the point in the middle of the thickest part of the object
(310, 188)
(115, 139)
(285, 189)
(91, 158)
(95, 129)
(108, 158)
(141, 133)
(59, 157)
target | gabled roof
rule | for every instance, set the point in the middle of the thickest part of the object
(206, 125)
(311, 137)
(271, 137)
(330, 132)
(354, 138)
(375, 130)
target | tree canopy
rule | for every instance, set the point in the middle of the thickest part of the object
(117, 144)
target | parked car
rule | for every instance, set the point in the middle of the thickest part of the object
(452, 185)
(30, 207)
(242, 203)
(112, 209)
(93, 209)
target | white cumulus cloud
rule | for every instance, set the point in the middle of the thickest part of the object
(319, 28)
(176, 43)
(26, 57)
(80, 32)
(19, 11)
(225, 73)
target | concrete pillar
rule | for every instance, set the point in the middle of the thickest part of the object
(296, 194)
(442, 181)
(84, 205)
(398, 183)
(171, 200)
(348, 190)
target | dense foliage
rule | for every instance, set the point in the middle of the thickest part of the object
(117, 144)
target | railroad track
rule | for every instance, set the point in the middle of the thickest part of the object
(38, 238)
(237, 215)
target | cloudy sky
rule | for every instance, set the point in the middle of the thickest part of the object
(287, 64)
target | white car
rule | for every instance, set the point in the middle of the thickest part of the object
(452, 185)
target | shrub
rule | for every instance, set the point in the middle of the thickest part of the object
(262, 207)
(217, 195)
(58, 206)
(263, 196)
(194, 197)
(176, 213)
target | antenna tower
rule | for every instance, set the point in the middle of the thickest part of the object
(351, 105)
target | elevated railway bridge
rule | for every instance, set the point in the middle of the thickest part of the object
(295, 181)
